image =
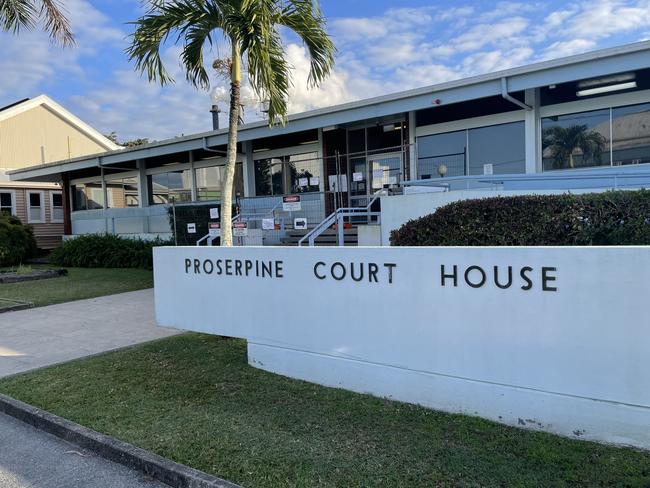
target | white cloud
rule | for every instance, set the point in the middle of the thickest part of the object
(394, 50)
(30, 60)
(603, 18)
(567, 48)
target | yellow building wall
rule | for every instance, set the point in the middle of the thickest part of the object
(23, 135)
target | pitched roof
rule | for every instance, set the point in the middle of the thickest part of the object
(43, 100)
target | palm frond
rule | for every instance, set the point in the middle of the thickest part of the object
(268, 70)
(307, 22)
(56, 23)
(17, 14)
(190, 20)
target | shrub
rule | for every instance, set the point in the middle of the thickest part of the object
(106, 251)
(17, 241)
(612, 218)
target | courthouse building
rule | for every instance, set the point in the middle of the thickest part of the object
(580, 123)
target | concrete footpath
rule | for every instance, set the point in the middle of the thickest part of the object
(30, 458)
(29, 339)
(44, 336)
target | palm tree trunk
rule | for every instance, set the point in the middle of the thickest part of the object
(233, 119)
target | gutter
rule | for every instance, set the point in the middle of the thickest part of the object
(510, 98)
(209, 149)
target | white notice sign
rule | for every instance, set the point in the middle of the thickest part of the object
(303, 181)
(240, 229)
(291, 203)
(191, 228)
(268, 224)
(300, 223)
(214, 213)
(338, 184)
(488, 169)
(357, 176)
(314, 181)
(214, 230)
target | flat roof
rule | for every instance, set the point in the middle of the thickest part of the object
(618, 59)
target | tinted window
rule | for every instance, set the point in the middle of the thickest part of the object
(165, 187)
(576, 140)
(502, 146)
(447, 149)
(209, 182)
(631, 134)
(57, 199)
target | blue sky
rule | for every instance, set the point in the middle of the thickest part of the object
(384, 46)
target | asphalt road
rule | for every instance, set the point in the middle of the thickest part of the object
(30, 458)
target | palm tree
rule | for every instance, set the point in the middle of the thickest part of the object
(564, 141)
(26, 14)
(251, 28)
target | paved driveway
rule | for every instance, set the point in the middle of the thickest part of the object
(30, 458)
(48, 335)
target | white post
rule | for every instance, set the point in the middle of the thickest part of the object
(143, 188)
(413, 160)
(143, 193)
(533, 132)
(190, 158)
(249, 170)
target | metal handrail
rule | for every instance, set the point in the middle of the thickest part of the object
(211, 238)
(337, 216)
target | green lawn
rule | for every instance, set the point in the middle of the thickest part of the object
(194, 399)
(80, 283)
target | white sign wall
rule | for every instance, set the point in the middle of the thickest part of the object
(556, 339)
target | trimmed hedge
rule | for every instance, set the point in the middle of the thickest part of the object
(613, 218)
(106, 251)
(17, 241)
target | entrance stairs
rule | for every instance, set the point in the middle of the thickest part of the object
(327, 238)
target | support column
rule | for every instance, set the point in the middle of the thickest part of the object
(413, 157)
(66, 197)
(143, 193)
(533, 132)
(249, 170)
(143, 187)
(192, 176)
(321, 156)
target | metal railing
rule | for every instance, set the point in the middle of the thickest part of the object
(338, 217)
(595, 178)
(211, 237)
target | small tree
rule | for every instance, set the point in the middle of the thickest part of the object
(251, 27)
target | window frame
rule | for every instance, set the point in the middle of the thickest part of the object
(28, 205)
(12, 194)
(52, 219)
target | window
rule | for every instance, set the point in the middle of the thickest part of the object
(122, 193)
(209, 182)
(631, 134)
(449, 149)
(87, 196)
(56, 206)
(7, 202)
(576, 140)
(35, 209)
(172, 186)
(503, 147)
(495, 149)
(298, 173)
